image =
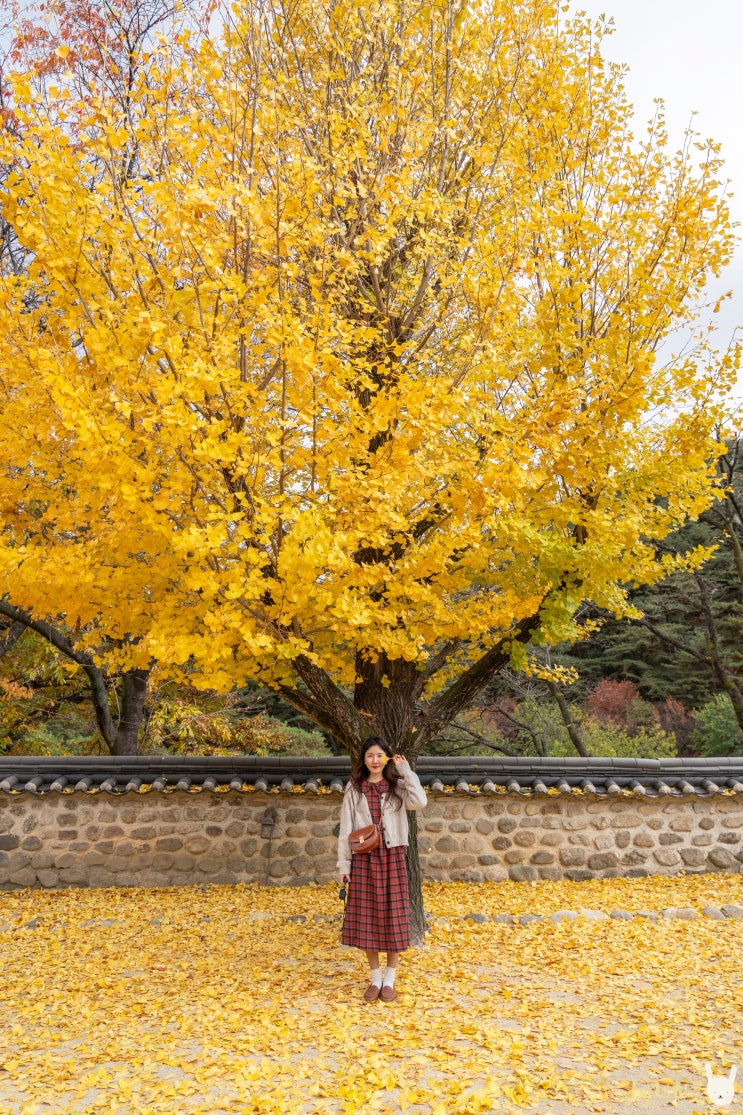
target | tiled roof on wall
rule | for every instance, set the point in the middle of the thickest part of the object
(439, 774)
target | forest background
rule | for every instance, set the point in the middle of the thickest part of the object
(657, 668)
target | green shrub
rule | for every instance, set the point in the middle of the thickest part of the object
(717, 731)
(613, 741)
(57, 737)
(182, 727)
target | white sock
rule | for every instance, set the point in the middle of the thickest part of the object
(376, 976)
(389, 977)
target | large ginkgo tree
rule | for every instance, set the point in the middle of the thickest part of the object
(336, 365)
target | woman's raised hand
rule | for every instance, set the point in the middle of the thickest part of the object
(397, 759)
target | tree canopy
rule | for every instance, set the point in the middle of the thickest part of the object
(333, 361)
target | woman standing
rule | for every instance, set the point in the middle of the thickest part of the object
(377, 918)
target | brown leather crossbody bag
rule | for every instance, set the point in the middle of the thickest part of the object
(367, 838)
(364, 840)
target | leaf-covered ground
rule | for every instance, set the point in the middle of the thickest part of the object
(207, 1000)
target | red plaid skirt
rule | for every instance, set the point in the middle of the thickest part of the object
(378, 905)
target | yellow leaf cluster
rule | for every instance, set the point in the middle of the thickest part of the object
(349, 346)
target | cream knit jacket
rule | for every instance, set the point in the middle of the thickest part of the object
(355, 815)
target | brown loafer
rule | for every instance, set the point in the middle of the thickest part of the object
(372, 993)
(388, 994)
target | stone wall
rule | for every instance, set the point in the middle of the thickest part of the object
(165, 839)
(579, 836)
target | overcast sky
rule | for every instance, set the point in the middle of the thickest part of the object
(689, 53)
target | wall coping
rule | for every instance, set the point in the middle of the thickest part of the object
(469, 774)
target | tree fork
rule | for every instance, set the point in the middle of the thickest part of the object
(386, 694)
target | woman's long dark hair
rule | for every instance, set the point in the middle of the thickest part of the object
(360, 771)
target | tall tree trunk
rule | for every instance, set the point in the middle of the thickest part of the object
(133, 697)
(576, 736)
(727, 680)
(418, 923)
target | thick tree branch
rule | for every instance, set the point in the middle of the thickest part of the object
(474, 737)
(440, 658)
(305, 704)
(332, 709)
(103, 716)
(442, 710)
(11, 637)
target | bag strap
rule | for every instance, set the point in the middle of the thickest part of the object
(357, 797)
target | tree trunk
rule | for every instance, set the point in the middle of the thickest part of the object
(418, 923)
(727, 680)
(576, 736)
(133, 697)
(386, 694)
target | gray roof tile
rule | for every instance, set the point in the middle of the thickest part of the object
(315, 775)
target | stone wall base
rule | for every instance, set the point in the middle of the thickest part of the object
(167, 839)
